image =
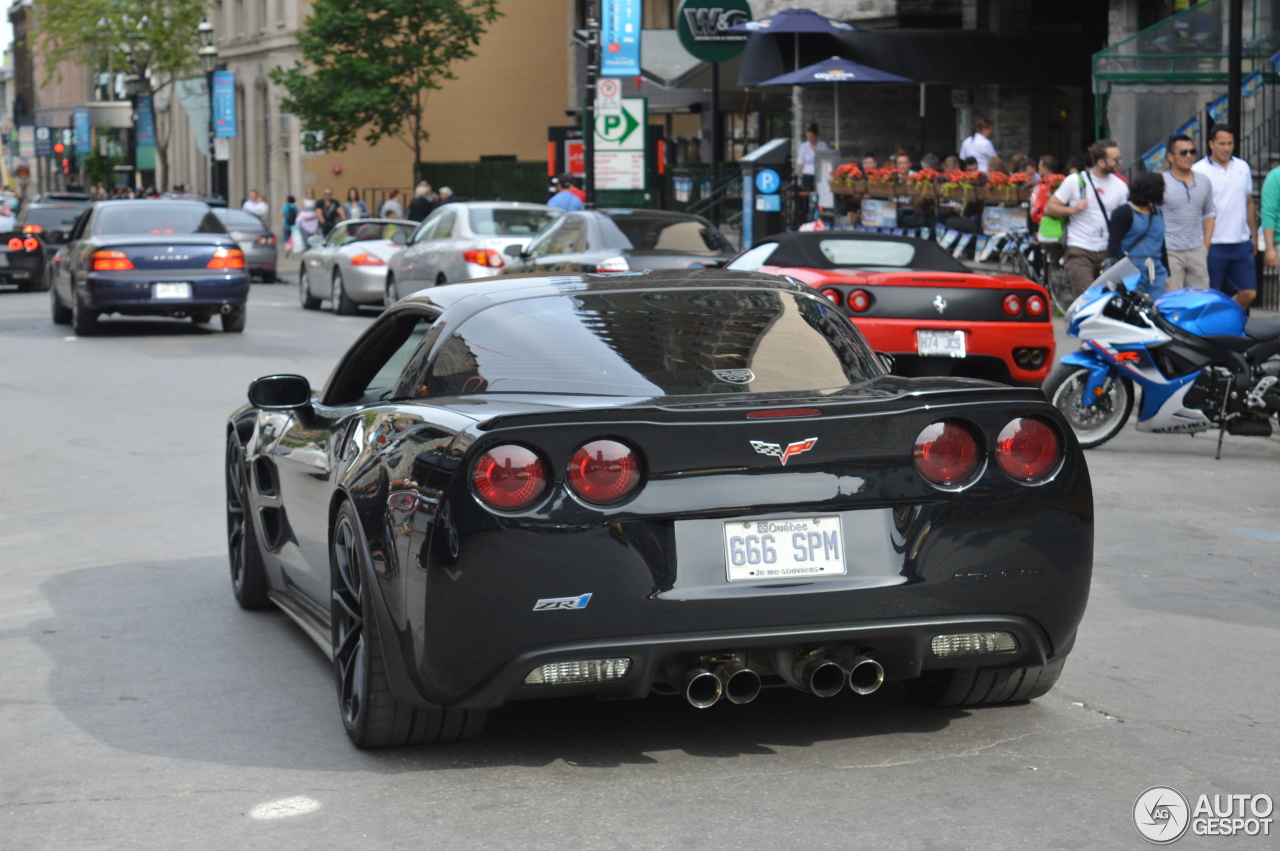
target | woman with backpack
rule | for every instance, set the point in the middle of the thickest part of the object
(1137, 232)
(290, 213)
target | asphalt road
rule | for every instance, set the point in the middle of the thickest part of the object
(140, 708)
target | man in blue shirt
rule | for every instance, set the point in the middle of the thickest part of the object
(565, 199)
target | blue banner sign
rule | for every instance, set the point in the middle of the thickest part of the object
(1154, 157)
(80, 121)
(1218, 108)
(1251, 84)
(146, 122)
(1191, 129)
(620, 38)
(224, 103)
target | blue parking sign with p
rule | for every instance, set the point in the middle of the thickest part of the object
(768, 181)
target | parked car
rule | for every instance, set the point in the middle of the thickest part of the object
(256, 240)
(612, 240)
(25, 253)
(688, 483)
(349, 266)
(153, 258)
(914, 301)
(463, 241)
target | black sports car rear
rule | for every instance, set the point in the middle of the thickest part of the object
(689, 483)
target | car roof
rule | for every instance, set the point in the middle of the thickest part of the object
(500, 205)
(372, 221)
(132, 203)
(518, 287)
(800, 249)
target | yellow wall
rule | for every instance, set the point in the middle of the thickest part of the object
(502, 102)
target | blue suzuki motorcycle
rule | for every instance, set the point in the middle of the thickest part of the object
(1200, 363)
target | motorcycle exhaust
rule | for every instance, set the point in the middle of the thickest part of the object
(819, 676)
(702, 688)
(740, 685)
(866, 675)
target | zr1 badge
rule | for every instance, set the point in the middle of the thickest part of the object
(557, 603)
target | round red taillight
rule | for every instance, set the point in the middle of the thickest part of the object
(15, 243)
(604, 471)
(1012, 304)
(946, 454)
(1035, 305)
(509, 477)
(831, 295)
(1028, 450)
(31, 243)
(859, 300)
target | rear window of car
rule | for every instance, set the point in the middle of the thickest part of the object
(239, 219)
(678, 342)
(155, 217)
(663, 233)
(51, 218)
(867, 252)
(487, 221)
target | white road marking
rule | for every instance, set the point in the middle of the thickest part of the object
(299, 805)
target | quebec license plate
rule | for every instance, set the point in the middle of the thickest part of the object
(798, 547)
(947, 344)
(172, 290)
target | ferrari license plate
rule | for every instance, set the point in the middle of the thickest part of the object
(794, 548)
(172, 290)
(947, 344)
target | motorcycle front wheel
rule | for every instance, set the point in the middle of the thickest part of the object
(1094, 424)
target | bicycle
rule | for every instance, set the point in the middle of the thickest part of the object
(1021, 255)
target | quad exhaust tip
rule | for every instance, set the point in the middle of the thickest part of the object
(866, 675)
(819, 676)
(702, 688)
(741, 685)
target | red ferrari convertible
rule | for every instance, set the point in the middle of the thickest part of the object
(913, 300)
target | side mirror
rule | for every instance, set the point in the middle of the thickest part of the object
(315, 240)
(280, 392)
(55, 236)
(515, 249)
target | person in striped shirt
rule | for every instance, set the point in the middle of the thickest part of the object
(1188, 216)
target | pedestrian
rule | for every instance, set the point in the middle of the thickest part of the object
(1087, 200)
(1234, 240)
(1189, 216)
(354, 208)
(307, 224)
(391, 208)
(806, 158)
(564, 199)
(330, 211)
(979, 145)
(422, 204)
(869, 163)
(1138, 232)
(902, 162)
(255, 205)
(1048, 233)
(289, 212)
(576, 189)
(446, 196)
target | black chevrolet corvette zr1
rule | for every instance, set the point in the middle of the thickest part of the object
(688, 483)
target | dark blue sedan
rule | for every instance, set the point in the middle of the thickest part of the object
(149, 258)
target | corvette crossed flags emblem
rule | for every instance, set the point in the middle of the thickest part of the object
(776, 451)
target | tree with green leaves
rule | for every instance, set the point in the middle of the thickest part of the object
(368, 64)
(154, 39)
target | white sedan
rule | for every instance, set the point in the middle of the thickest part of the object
(349, 266)
(462, 241)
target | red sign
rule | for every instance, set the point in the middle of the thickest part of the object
(576, 154)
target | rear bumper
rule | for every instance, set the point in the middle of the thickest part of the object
(134, 293)
(365, 284)
(982, 340)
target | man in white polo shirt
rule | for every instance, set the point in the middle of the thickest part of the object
(1235, 233)
(1087, 201)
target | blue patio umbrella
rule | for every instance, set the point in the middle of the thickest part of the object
(833, 72)
(795, 21)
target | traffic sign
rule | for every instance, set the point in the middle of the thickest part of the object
(609, 97)
(44, 142)
(621, 132)
(768, 181)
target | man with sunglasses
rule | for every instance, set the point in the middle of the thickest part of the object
(1188, 216)
(1232, 268)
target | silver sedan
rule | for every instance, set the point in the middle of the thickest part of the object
(462, 241)
(349, 266)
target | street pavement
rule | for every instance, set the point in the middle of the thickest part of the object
(140, 708)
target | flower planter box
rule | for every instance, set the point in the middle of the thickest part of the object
(885, 190)
(963, 193)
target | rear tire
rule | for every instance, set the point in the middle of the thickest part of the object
(371, 714)
(1096, 424)
(978, 686)
(269, 277)
(389, 294)
(342, 303)
(309, 302)
(233, 322)
(60, 312)
(83, 320)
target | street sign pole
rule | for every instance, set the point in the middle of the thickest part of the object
(589, 109)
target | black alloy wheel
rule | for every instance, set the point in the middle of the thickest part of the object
(371, 714)
(248, 570)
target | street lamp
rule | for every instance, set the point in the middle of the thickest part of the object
(208, 56)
